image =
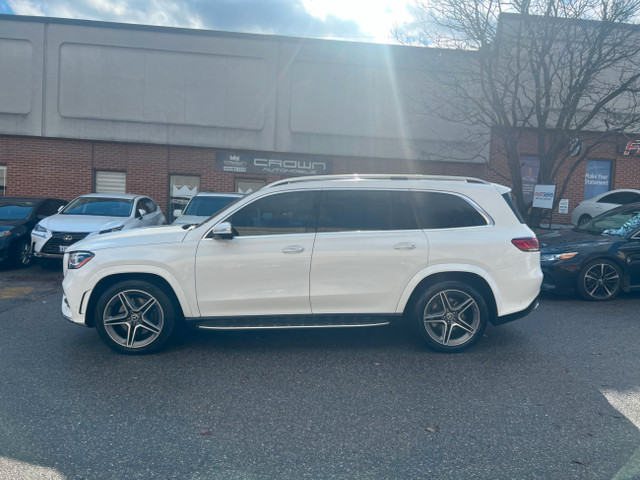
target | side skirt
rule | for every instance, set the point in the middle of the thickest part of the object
(291, 321)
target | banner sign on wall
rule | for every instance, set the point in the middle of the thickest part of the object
(543, 196)
(529, 168)
(597, 178)
(270, 165)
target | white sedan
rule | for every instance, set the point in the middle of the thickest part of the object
(593, 207)
(92, 214)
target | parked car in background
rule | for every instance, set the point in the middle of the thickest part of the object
(202, 206)
(93, 214)
(596, 259)
(18, 216)
(450, 254)
(588, 209)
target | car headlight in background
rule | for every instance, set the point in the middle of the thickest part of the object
(78, 259)
(110, 230)
(5, 233)
(554, 257)
(40, 231)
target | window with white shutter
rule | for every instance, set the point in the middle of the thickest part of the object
(110, 182)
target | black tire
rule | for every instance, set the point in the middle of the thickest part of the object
(584, 219)
(21, 254)
(600, 280)
(139, 305)
(451, 316)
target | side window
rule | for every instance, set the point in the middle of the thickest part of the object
(445, 210)
(278, 214)
(366, 210)
(621, 198)
(149, 205)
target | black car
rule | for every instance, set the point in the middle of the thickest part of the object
(596, 259)
(18, 216)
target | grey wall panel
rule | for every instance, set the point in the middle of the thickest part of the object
(21, 76)
(160, 87)
(129, 84)
(355, 99)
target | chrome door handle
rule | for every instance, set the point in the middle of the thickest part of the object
(404, 246)
(293, 250)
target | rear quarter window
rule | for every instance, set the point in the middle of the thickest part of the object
(445, 210)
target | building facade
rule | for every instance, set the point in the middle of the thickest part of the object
(93, 106)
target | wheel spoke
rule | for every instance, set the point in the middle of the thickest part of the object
(464, 326)
(463, 306)
(446, 333)
(146, 324)
(125, 302)
(131, 335)
(434, 317)
(117, 320)
(445, 301)
(147, 306)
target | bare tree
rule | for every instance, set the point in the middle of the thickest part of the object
(565, 69)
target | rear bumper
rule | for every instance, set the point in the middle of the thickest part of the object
(517, 315)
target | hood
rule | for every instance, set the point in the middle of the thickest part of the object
(189, 220)
(133, 237)
(81, 223)
(558, 240)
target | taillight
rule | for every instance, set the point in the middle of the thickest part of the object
(527, 244)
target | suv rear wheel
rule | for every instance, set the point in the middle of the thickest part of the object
(451, 316)
(135, 317)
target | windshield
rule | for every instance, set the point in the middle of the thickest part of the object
(207, 206)
(104, 207)
(15, 210)
(618, 222)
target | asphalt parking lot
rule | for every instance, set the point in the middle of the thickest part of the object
(554, 395)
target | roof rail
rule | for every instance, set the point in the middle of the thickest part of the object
(376, 176)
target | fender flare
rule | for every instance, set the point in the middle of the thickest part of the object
(448, 268)
(144, 269)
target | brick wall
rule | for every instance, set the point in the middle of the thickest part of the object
(64, 168)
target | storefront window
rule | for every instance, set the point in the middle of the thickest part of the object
(597, 178)
(249, 185)
(3, 180)
(181, 189)
(529, 168)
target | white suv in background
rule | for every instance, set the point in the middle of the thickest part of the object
(202, 206)
(448, 253)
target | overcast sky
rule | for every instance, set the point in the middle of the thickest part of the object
(357, 20)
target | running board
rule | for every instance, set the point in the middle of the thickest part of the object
(289, 322)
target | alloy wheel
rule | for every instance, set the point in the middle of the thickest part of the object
(601, 281)
(451, 317)
(133, 318)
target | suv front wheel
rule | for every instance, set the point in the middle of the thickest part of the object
(451, 316)
(135, 317)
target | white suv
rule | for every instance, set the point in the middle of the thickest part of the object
(449, 253)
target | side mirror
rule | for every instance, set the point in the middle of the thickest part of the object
(141, 213)
(177, 213)
(222, 231)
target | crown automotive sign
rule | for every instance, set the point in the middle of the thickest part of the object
(270, 165)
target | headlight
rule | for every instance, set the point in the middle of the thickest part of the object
(5, 233)
(554, 257)
(78, 259)
(110, 230)
(40, 231)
